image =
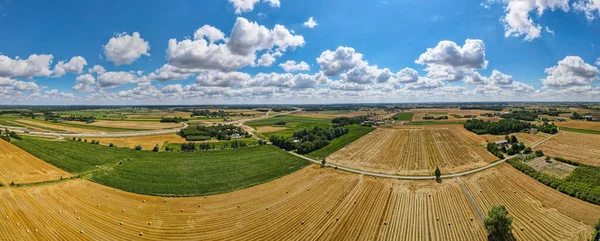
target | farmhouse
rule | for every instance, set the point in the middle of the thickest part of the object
(501, 143)
(236, 136)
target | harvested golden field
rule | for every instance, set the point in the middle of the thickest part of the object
(336, 113)
(589, 125)
(22, 167)
(414, 151)
(310, 204)
(33, 125)
(531, 219)
(147, 142)
(580, 147)
(265, 129)
(526, 138)
(132, 124)
(159, 114)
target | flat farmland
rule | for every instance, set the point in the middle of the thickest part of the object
(310, 204)
(131, 124)
(147, 142)
(414, 151)
(529, 214)
(338, 113)
(22, 167)
(580, 147)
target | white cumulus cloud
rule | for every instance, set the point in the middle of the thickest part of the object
(125, 49)
(75, 66)
(293, 66)
(310, 23)
(34, 65)
(571, 71)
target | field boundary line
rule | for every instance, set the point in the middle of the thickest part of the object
(468, 194)
(404, 177)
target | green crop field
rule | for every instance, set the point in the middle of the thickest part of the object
(293, 123)
(167, 173)
(587, 131)
(355, 132)
(404, 116)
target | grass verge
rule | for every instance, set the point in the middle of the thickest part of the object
(586, 131)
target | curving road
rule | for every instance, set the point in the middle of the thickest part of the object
(416, 177)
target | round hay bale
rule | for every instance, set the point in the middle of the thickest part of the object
(93, 196)
(327, 212)
(121, 223)
(149, 223)
(165, 200)
(141, 234)
(384, 222)
(114, 189)
(144, 201)
(449, 223)
(122, 210)
(522, 228)
(337, 219)
(81, 231)
(59, 212)
(59, 198)
(75, 212)
(181, 210)
(97, 205)
(267, 208)
(27, 230)
(18, 224)
(6, 217)
(302, 222)
(36, 230)
(531, 220)
(78, 218)
(107, 195)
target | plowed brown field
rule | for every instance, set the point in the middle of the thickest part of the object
(21, 167)
(414, 151)
(310, 204)
(581, 147)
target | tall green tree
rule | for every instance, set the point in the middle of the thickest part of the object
(437, 173)
(498, 224)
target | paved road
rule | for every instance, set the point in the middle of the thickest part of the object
(416, 177)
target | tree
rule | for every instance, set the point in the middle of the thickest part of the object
(513, 139)
(539, 153)
(156, 148)
(111, 145)
(598, 226)
(498, 224)
(138, 147)
(323, 162)
(437, 173)
(527, 150)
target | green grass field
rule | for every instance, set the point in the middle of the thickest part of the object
(98, 128)
(355, 132)
(6, 122)
(293, 123)
(404, 116)
(597, 132)
(167, 173)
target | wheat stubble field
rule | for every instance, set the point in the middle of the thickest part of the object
(414, 151)
(312, 203)
(21, 167)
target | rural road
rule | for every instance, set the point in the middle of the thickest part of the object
(416, 177)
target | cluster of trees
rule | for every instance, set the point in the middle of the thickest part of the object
(220, 132)
(430, 117)
(548, 128)
(521, 115)
(343, 121)
(309, 140)
(493, 148)
(279, 123)
(502, 127)
(86, 119)
(173, 119)
(282, 108)
(577, 116)
(209, 113)
(583, 182)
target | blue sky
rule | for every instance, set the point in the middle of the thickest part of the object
(389, 36)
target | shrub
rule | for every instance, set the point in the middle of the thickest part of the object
(539, 153)
(111, 145)
(138, 147)
(79, 139)
(93, 142)
(156, 148)
(527, 150)
(85, 140)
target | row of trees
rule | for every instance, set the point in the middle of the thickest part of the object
(521, 115)
(220, 132)
(7, 135)
(192, 147)
(343, 121)
(209, 113)
(583, 182)
(173, 119)
(502, 127)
